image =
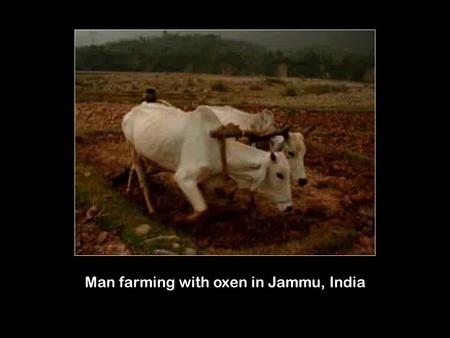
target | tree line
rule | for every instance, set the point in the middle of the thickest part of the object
(213, 54)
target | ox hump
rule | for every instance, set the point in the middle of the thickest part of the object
(206, 114)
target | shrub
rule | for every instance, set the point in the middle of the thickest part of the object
(191, 82)
(220, 87)
(369, 76)
(290, 112)
(290, 91)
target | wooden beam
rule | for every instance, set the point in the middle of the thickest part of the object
(232, 130)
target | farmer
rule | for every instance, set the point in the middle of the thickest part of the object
(150, 95)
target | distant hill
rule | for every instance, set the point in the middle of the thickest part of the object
(348, 41)
(354, 42)
(213, 54)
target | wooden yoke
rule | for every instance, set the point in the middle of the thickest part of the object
(221, 133)
(233, 130)
(223, 157)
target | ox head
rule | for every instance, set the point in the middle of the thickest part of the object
(276, 182)
(293, 146)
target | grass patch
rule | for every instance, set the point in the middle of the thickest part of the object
(118, 213)
(82, 198)
(106, 222)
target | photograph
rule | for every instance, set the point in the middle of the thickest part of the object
(256, 142)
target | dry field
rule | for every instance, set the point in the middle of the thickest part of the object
(334, 213)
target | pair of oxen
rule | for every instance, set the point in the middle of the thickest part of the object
(163, 136)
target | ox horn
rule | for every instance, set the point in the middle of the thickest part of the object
(308, 131)
(284, 131)
(286, 128)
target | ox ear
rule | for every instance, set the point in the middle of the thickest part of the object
(308, 131)
(278, 146)
(286, 128)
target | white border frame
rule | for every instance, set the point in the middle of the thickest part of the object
(230, 30)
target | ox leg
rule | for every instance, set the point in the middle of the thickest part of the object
(149, 171)
(188, 184)
(143, 182)
(130, 177)
(132, 168)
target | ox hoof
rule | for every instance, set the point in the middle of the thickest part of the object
(194, 217)
(188, 219)
(151, 211)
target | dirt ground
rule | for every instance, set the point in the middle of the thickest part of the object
(333, 213)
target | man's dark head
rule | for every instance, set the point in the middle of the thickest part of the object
(150, 95)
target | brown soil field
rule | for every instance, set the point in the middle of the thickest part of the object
(333, 214)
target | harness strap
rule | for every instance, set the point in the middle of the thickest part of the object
(223, 156)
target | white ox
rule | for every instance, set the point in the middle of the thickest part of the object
(256, 122)
(293, 147)
(180, 142)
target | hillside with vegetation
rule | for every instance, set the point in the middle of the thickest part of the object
(215, 55)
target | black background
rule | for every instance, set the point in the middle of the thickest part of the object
(67, 272)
